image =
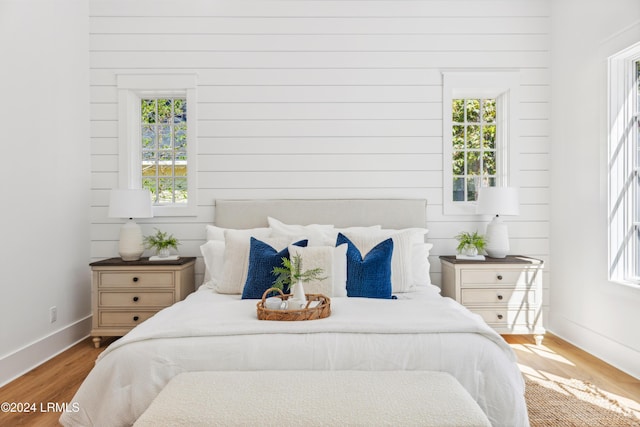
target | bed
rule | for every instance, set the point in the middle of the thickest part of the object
(215, 329)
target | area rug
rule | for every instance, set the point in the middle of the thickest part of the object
(572, 402)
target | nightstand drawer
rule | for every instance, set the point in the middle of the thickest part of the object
(136, 299)
(123, 318)
(149, 279)
(491, 277)
(498, 297)
(503, 318)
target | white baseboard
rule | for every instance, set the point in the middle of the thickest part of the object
(32, 355)
(612, 352)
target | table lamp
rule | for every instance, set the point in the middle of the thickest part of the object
(497, 201)
(130, 204)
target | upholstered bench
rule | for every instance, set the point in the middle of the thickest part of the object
(311, 398)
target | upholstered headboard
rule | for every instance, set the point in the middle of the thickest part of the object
(390, 213)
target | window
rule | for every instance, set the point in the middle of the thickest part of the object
(157, 115)
(479, 135)
(624, 166)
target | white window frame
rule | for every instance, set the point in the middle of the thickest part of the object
(132, 88)
(623, 167)
(504, 87)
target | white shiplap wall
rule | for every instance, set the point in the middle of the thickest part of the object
(322, 99)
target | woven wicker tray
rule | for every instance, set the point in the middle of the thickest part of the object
(323, 309)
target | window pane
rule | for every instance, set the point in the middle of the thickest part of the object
(489, 136)
(164, 110)
(471, 189)
(148, 111)
(181, 190)
(165, 137)
(489, 163)
(458, 137)
(148, 158)
(180, 168)
(150, 184)
(165, 190)
(457, 110)
(489, 110)
(458, 189)
(488, 181)
(473, 136)
(148, 137)
(180, 137)
(458, 163)
(473, 110)
(180, 111)
(473, 163)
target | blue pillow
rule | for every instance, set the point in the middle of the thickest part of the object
(369, 277)
(262, 259)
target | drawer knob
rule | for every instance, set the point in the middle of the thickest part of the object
(135, 299)
(136, 318)
(135, 279)
(500, 297)
(499, 276)
(500, 316)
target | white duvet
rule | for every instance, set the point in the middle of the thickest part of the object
(211, 332)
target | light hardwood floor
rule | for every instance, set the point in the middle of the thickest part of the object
(57, 380)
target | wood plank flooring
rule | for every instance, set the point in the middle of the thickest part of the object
(57, 380)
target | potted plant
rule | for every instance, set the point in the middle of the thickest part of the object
(291, 275)
(161, 242)
(470, 244)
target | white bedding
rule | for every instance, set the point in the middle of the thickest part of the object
(212, 332)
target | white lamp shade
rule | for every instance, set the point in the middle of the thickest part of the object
(130, 204)
(498, 201)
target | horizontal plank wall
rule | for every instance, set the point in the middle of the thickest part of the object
(323, 99)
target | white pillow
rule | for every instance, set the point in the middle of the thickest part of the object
(217, 233)
(236, 259)
(351, 230)
(332, 261)
(213, 256)
(402, 258)
(317, 234)
(421, 264)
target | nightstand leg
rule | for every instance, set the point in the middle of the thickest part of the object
(538, 338)
(97, 341)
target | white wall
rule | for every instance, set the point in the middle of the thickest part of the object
(586, 309)
(45, 180)
(322, 99)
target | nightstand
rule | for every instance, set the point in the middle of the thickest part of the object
(126, 293)
(505, 292)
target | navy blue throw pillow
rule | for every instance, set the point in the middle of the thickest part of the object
(369, 277)
(262, 259)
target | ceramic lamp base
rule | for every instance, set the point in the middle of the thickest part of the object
(497, 238)
(131, 245)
